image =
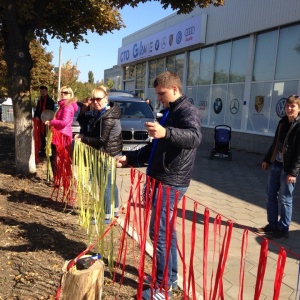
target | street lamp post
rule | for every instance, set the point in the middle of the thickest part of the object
(59, 68)
(79, 57)
(77, 61)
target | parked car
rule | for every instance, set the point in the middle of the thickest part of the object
(75, 124)
(121, 93)
(135, 112)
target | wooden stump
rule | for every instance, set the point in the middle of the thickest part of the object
(82, 284)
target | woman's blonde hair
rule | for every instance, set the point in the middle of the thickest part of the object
(99, 89)
(70, 91)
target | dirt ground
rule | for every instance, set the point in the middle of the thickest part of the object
(37, 236)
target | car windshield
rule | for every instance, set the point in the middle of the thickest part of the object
(135, 109)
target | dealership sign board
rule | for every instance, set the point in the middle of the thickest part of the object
(185, 34)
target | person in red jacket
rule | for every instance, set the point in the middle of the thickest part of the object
(45, 102)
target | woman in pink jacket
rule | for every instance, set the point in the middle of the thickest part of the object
(61, 128)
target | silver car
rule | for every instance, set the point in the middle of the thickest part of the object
(135, 112)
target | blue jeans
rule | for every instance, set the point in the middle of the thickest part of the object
(161, 252)
(107, 195)
(279, 192)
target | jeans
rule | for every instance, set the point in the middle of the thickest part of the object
(107, 195)
(161, 252)
(279, 192)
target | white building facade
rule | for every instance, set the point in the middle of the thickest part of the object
(238, 63)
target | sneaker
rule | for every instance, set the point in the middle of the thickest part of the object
(278, 234)
(265, 230)
(157, 294)
(148, 279)
(106, 221)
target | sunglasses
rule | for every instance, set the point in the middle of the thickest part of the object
(98, 99)
(65, 93)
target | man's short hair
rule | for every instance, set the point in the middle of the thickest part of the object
(43, 87)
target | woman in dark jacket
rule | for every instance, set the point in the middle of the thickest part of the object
(104, 132)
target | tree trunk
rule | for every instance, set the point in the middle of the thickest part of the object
(83, 284)
(19, 63)
(24, 143)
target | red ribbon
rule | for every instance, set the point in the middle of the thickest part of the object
(37, 138)
(279, 273)
(261, 268)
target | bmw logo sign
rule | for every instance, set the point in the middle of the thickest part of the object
(218, 105)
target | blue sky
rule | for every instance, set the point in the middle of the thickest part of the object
(103, 50)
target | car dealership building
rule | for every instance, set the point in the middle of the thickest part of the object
(237, 62)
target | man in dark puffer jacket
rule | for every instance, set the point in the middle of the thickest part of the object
(170, 160)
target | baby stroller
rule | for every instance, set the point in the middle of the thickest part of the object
(222, 142)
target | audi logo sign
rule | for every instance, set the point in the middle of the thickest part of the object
(189, 31)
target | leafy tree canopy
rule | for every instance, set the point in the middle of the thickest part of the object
(182, 7)
(22, 21)
(68, 20)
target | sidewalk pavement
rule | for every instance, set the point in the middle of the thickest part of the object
(236, 191)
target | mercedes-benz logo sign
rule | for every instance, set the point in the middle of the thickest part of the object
(234, 106)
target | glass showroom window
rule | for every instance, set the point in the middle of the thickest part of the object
(265, 54)
(206, 65)
(179, 65)
(152, 72)
(175, 63)
(193, 67)
(238, 62)
(288, 56)
(129, 72)
(170, 63)
(156, 67)
(160, 66)
(222, 62)
(140, 76)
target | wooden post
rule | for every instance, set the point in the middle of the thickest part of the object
(82, 284)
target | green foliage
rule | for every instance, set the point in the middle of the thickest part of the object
(42, 69)
(91, 77)
(110, 83)
(182, 7)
